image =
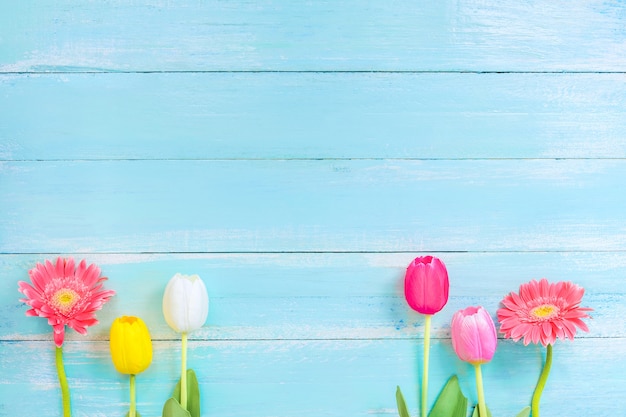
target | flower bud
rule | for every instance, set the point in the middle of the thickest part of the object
(426, 285)
(131, 346)
(474, 337)
(185, 303)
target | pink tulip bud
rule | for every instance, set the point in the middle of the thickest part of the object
(474, 335)
(426, 285)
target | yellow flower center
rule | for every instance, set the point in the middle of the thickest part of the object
(544, 312)
(64, 299)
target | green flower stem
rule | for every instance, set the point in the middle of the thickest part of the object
(65, 389)
(133, 403)
(542, 382)
(183, 374)
(482, 407)
(427, 318)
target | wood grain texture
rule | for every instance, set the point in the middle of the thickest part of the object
(331, 378)
(321, 296)
(325, 205)
(459, 35)
(312, 115)
(322, 330)
(298, 155)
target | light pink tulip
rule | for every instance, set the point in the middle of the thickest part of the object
(426, 285)
(474, 335)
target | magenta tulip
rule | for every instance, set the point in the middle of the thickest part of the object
(474, 336)
(426, 285)
(426, 291)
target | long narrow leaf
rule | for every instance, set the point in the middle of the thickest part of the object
(193, 393)
(402, 410)
(524, 413)
(451, 402)
(172, 408)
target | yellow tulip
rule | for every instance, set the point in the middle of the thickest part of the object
(131, 346)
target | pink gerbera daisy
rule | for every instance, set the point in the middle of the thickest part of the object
(543, 312)
(65, 295)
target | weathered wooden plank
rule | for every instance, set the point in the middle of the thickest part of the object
(301, 196)
(325, 205)
(312, 378)
(319, 296)
(468, 35)
(320, 115)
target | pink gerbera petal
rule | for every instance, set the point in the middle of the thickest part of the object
(80, 269)
(91, 275)
(68, 270)
(58, 338)
(543, 312)
(59, 268)
(66, 296)
(38, 280)
(49, 270)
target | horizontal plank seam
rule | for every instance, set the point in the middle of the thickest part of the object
(313, 252)
(304, 159)
(309, 72)
(336, 339)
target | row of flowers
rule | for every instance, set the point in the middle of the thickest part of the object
(69, 295)
(540, 313)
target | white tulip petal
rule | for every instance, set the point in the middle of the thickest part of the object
(185, 303)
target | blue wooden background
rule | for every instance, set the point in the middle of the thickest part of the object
(298, 155)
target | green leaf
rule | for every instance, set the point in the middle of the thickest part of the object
(402, 411)
(524, 413)
(172, 408)
(451, 402)
(136, 414)
(475, 413)
(193, 394)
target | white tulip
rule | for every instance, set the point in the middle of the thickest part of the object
(185, 303)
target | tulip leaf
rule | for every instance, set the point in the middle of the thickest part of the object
(451, 402)
(524, 413)
(172, 408)
(193, 393)
(476, 414)
(402, 411)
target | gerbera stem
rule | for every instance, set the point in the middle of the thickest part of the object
(65, 389)
(542, 382)
(183, 373)
(424, 403)
(133, 395)
(482, 406)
